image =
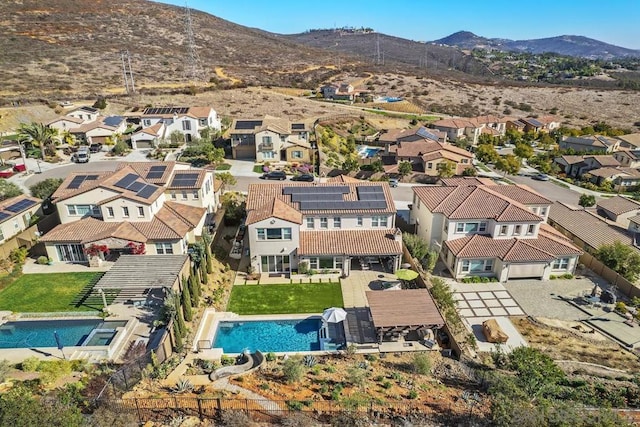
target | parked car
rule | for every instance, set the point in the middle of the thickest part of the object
(95, 148)
(393, 182)
(279, 175)
(82, 155)
(541, 177)
(305, 177)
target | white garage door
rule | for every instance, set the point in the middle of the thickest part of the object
(526, 271)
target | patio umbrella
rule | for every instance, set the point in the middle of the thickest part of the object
(406, 274)
(334, 315)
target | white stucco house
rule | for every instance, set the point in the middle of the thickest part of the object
(492, 230)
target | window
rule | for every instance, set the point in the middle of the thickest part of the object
(274, 233)
(337, 263)
(503, 230)
(359, 221)
(543, 211)
(203, 122)
(324, 223)
(337, 222)
(146, 122)
(173, 195)
(531, 229)
(296, 154)
(268, 154)
(561, 264)
(460, 227)
(140, 211)
(207, 187)
(477, 265)
(517, 230)
(184, 195)
(110, 212)
(429, 165)
(311, 222)
(379, 221)
(1, 234)
(196, 196)
(186, 125)
(266, 140)
(125, 212)
(82, 210)
(471, 227)
(164, 248)
(15, 224)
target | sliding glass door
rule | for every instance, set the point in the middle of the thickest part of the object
(275, 263)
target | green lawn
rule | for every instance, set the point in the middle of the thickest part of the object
(223, 167)
(287, 298)
(258, 169)
(48, 292)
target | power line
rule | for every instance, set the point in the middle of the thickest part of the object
(193, 70)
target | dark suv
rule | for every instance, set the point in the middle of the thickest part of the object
(279, 175)
(95, 148)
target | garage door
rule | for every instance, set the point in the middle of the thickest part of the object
(526, 271)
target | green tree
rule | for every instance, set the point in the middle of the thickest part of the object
(446, 169)
(186, 304)
(193, 287)
(293, 369)
(44, 189)
(215, 156)
(203, 272)
(508, 164)
(405, 168)
(621, 258)
(416, 245)
(587, 200)
(182, 328)
(68, 138)
(486, 153)
(350, 164)
(486, 138)
(524, 151)
(227, 180)
(177, 333)
(101, 103)
(8, 189)
(376, 166)
(120, 148)
(513, 136)
(38, 135)
(20, 408)
(470, 171)
(177, 137)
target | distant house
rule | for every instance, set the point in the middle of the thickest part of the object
(550, 123)
(148, 137)
(396, 136)
(425, 155)
(619, 209)
(599, 143)
(340, 92)
(16, 214)
(189, 121)
(98, 131)
(621, 178)
(86, 114)
(577, 166)
(458, 129)
(628, 158)
(270, 139)
(630, 141)
(65, 123)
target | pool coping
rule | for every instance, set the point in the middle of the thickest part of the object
(211, 318)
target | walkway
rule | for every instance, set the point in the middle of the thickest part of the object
(31, 267)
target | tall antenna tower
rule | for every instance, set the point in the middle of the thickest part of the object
(193, 69)
(127, 72)
(378, 56)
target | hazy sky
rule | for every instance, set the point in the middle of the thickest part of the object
(612, 21)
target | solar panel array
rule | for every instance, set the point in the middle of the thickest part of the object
(77, 181)
(20, 206)
(166, 110)
(314, 198)
(130, 182)
(3, 216)
(247, 124)
(184, 180)
(424, 133)
(156, 172)
(297, 126)
(534, 122)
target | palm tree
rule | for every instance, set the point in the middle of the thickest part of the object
(68, 138)
(38, 135)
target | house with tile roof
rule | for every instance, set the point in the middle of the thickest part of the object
(397, 136)
(577, 166)
(630, 141)
(618, 209)
(628, 158)
(492, 230)
(189, 121)
(460, 129)
(148, 137)
(271, 139)
(98, 131)
(591, 143)
(425, 155)
(85, 113)
(336, 226)
(161, 205)
(16, 214)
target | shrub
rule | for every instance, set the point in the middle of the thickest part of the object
(387, 384)
(271, 356)
(43, 260)
(309, 361)
(621, 307)
(30, 364)
(120, 148)
(227, 360)
(296, 405)
(292, 370)
(567, 276)
(417, 247)
(413, 394)
(183, 386)
(18, 255)
(303, 267)
(421, 363)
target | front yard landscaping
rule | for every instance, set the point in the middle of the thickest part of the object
(48, 292)
(285, 298)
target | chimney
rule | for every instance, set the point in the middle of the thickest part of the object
(397, 236)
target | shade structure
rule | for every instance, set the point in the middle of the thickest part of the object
(334, 315)
(406, 274)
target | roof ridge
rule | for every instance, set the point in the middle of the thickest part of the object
(178, 214)
(524, 241)
(507, 199)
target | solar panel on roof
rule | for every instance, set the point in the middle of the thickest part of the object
(3, 216)
(247, 124)
(297, 126)
(76, 182)
(424, 133)
(146, 191)
(157, 168)
(20, 206)
(154, 175)
(91, 177)
(310, 197)
(136, 186)
(312, 189)
(126, 181)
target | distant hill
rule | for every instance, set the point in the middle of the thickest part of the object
(564, 45)
(377, 49)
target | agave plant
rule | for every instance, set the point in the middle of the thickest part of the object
(309, 361)
(183, 386)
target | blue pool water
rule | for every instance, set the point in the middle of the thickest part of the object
(366, 151)
(39, 333)
(391, 99)
(268, 335)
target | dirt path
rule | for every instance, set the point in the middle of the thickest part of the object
(220, 73)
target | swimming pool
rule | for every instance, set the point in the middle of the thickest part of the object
(365, 151)
(39, 333)
(268, 335)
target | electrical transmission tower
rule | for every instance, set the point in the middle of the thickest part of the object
(379, 56)
(127, 72)
(193, 69)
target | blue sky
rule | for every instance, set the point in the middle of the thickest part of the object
(612, 21)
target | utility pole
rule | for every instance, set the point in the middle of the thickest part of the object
(127, 72)
(193, 70)
(378, 56)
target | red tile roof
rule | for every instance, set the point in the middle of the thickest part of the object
(619, 205)
(350, 242)
(276, 209)
(407, 307)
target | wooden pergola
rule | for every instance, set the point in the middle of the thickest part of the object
(396, 313)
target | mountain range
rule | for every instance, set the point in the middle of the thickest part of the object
(563, 45)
